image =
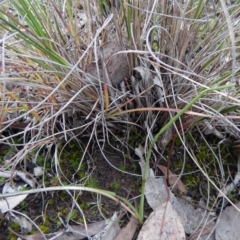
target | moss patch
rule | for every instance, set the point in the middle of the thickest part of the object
(212, 157)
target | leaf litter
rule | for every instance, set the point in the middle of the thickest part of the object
(158, 194)
(75, 232)
(10, 186)
(163, 223)
(228, 224)
(179, 187)
(127, 232)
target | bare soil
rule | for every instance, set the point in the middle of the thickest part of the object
(46, 208)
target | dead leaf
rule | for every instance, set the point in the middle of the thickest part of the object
(74, 232)
(203, 231)
(157, 193)
(159, 89)
(165, 138)
(209, 129)
(140, 73)
(163, 223)
(172, 178)
(116, 64)
(22, 175)
(228, 224)
(156, 190)
(110, 231)
(140, 152)
(127, 232)
(198, 220)
(9, 203)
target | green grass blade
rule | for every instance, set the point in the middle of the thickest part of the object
(32, 41)
(162, 130)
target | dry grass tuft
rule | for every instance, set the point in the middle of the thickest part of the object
(60, 83)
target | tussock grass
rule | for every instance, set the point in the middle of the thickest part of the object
(188, 52)
(186, 46)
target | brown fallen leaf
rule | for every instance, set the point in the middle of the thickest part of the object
(116, 64)
(204, 230)
(157, 193)
(127, 232)
(172, 178)
(228, 223)
(163, 223)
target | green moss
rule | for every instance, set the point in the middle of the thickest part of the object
(15, 226)
(12, 236)
(155, 46)
(2, 179)
(81, 174)
(80, 220)
(188, 137)
(40, 160)
(9, 151)
(233, 195)
(85, 205)
(69, 160)
(191, 182)
(22, 204)
(136, 184)
(122, 167)
(60, 211)
(51, 201)
(58, 223)
(54, 181)
(136, 137)
(192, 177)
(134, 167)
(64, 195)
(44, 228)
(92, 182)
(73, 215)
(116, 186)
(178, 142)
